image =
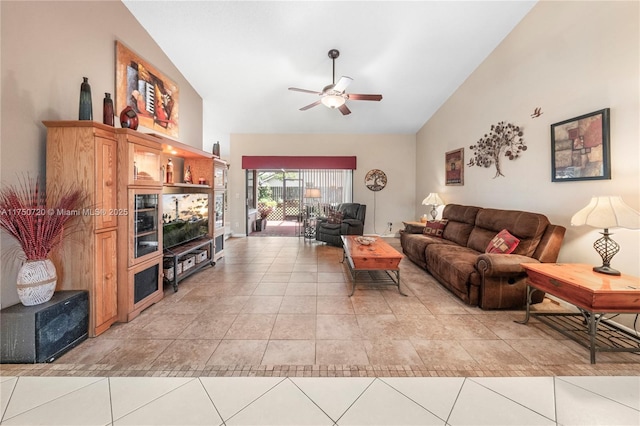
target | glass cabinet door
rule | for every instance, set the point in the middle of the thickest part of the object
(219, 210)
(220, 176)
(145, 230)
(146, 168)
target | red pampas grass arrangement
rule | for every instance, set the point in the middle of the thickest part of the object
(36, 218)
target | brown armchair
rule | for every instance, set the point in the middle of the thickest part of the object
(352, 224)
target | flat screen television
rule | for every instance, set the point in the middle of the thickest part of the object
(185, 217)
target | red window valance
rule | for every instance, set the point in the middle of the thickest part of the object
(296, 162)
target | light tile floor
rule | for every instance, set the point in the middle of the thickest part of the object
(452, 401)
(279, 308)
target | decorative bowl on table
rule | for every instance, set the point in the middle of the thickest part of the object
(365, 241)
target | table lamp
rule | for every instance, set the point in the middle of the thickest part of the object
(607, 212)
(313, 194)
(433, 200)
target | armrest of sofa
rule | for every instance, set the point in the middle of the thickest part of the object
(490, 264)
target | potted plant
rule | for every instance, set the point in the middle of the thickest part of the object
(36, 220)
(264, 209)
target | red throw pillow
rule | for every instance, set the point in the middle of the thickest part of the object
(335, 216)
(502, 243)
(435, 228)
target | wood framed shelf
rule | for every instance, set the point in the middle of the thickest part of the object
(187, 185)
(179, 254)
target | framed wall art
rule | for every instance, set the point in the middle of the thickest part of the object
(454, 167)
(580, 148)
(150, 93)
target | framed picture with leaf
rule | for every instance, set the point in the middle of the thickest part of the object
(580, 148)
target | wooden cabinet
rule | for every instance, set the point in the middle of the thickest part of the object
(116, 252)
(140, 229)
(83, 154)
(220, 206)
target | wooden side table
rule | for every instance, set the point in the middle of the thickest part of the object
(594, 294)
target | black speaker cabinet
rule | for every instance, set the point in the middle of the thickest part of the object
(41, 333)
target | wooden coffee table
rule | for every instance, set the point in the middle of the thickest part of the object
(594, 294)
(378, 256)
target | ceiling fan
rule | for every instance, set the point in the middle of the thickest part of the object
(333, 95)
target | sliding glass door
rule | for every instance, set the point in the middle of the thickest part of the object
(287, 195)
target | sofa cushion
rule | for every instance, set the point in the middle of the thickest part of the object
(454, 266)
(503, 243)
(414, 245)
(461, 222)
(435, 228)
(527, 227)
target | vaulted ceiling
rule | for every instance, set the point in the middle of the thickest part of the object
(242, 56)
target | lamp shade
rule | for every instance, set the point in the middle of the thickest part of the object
(333, 101)
(433, 199)
(312, 193)
(607, 212)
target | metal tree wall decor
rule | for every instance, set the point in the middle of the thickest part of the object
(504, 139)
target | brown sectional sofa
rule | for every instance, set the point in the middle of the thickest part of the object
(459, 262)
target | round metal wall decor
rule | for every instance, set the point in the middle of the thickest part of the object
(375, 180)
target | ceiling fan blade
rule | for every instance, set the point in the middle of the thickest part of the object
(358, 97)
(295, 89)
(342, 84)
(304, 108)
(344, 109)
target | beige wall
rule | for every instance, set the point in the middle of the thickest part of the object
(569, 58)
(392, 154)
(47, 47)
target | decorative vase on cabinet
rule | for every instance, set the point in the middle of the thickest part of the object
(86, 107)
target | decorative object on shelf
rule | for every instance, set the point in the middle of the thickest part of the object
(187, 175)
(86, 107)
(202, 181)
(433, 200)
(135, 171)
(375, 180)
(454, 167)
(129, 118)
(580, 148)
(216, 149)
(504, 139)
(107, 110)
(152, 95)
(607, 212)
(36, 220)
(169, 171)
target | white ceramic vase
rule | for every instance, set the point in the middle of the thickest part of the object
(36, 282)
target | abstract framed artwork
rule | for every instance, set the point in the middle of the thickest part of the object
(580, 148)
(454, 167)
(152, 95)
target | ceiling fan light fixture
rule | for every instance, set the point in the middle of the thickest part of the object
(333, 101)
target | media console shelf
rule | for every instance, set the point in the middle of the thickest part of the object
(177, 258)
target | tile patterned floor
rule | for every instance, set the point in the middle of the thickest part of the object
(229, 401)
(278, 306)
(254, 340)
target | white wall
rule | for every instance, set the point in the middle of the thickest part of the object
(569, 58)
(393, 154)
(47, 47)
